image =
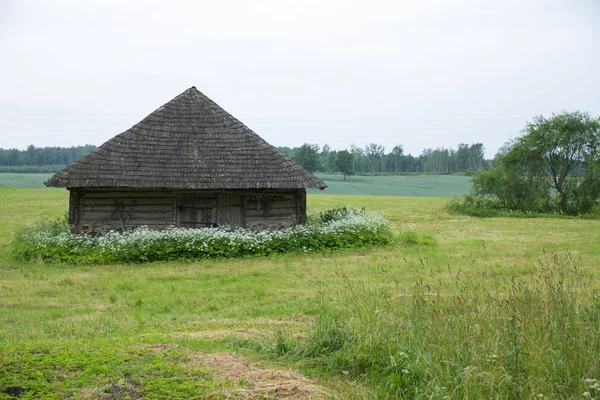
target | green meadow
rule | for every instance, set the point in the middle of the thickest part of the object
(494, 308)
(396, 185)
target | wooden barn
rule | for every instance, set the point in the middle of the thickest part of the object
(188, 164)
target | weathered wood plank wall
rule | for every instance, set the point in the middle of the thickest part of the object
(272, 210)
(109, 209)
(105, 210)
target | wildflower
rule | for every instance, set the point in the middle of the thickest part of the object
(143, 244)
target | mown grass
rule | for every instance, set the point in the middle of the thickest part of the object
(60, 323)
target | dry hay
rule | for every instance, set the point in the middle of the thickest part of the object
(295, 318)
(253, 381)
(265, 329)
(217, 335)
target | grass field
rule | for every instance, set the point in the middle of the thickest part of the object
(23, 180)
(417, 185)
(221, 328)
(410, 185)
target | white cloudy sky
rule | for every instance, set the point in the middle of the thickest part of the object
(428, 73)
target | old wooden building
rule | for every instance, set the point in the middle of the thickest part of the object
(187, 164)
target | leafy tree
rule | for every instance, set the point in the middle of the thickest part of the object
(508, 186)
(588, 192)
(462, 157)
(557, 150)
(286, 150)
(308, 156)
(470, 157)
(476, 156)
(554, 166)
(397, 153)
(332, 161)
(357, 157)
(374, 153)
(410, 163)
(344, 163)
(324, 157)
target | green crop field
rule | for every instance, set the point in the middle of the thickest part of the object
(17, 180)
(396, 185)
(496, 308)
(412, 185)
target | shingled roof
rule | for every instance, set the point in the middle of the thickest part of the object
(188, 143)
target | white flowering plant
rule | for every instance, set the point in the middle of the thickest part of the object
(343, 227)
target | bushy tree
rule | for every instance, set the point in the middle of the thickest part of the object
(559, 153)
(344, 163)
(397, 154)
(308, 156)
(509, 187)
(374, 153)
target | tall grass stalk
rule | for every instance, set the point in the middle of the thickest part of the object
(518, 338)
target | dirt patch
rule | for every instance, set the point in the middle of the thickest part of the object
(161, 347)
(265, 328)
(99, 307)
(156, 348)
(116, 391)
(13, 391)
(295, 318)
(217, 335)
(252, 381)
(111, 392)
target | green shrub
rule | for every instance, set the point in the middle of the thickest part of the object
(344, 227)
(484, 207)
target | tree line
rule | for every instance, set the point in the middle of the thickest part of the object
(373, 158)
(43, 156)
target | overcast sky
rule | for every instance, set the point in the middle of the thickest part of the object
(422, 74)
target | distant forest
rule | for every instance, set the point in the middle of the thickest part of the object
(371, 158)
(43, 156)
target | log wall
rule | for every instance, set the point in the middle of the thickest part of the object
(104, 210)
(273, 210)
(101, 210)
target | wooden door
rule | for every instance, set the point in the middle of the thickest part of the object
(196, 212)
(229, 210)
